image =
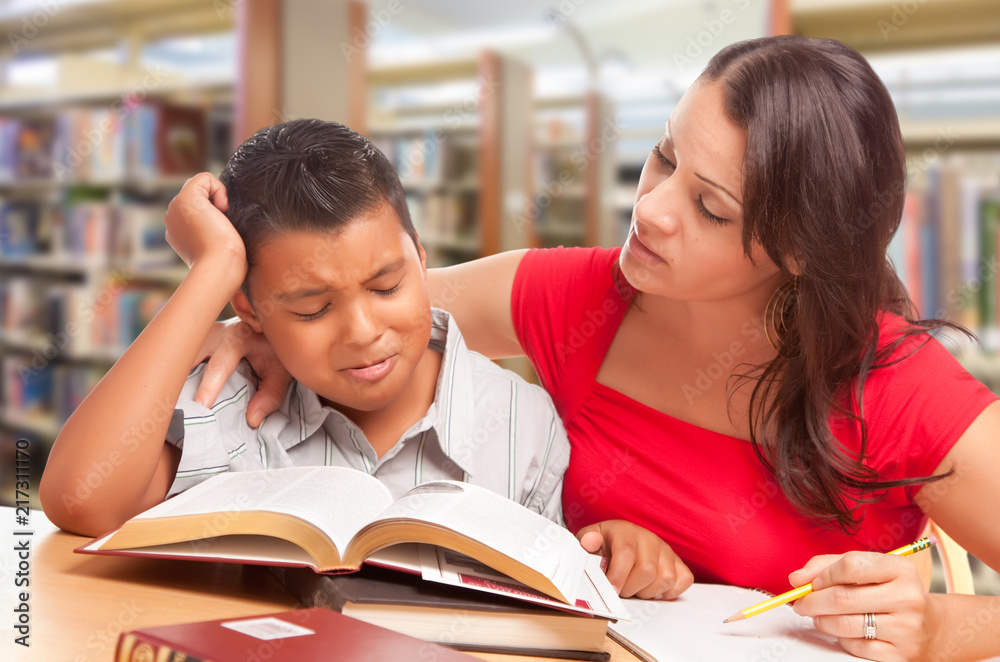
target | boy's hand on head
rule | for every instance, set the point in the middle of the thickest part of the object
(198, 229)
(227, 343)
(641, 565)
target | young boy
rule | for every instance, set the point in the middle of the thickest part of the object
(320, 256)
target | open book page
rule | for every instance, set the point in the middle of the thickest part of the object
(596, 597)
(261, 550)
(690, 628)
(336, 499)
(498, 523)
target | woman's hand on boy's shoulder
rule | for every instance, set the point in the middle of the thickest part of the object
(641, 564)
(198, 229)
(226, 345)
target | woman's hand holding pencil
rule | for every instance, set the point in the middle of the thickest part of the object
(875, 604)
(805, 589)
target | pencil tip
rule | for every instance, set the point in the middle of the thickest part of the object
(738, 616)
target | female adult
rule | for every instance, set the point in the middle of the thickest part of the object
(745, 379)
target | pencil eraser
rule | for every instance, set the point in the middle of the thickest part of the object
(933, 539)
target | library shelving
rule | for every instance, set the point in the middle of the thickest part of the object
(458, 133)
(94, 142)
(946, 248)
(575, 141)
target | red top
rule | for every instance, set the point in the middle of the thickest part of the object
(706, 493)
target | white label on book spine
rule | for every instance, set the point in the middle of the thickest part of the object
(268, 628)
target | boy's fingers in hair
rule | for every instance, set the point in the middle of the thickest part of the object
(205, 186)
(218, 196)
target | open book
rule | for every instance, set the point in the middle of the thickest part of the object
(334, 518)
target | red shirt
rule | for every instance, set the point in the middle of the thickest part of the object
(705, 493)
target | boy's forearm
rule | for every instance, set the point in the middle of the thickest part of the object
(103, 461)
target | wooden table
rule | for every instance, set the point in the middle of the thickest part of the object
(79, 603)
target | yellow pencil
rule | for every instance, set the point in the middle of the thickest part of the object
(806, 589)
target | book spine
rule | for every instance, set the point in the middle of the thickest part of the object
(310, 589)
(137, 647)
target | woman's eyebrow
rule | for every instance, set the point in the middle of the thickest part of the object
(666, 136)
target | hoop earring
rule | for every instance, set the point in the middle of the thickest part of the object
(775, 315)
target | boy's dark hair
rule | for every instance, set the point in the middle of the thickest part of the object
(307, 175)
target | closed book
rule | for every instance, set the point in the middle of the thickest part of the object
(304, 635)
(459, 617)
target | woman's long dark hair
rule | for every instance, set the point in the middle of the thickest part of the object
(824, 185)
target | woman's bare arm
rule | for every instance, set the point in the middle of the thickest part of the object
(478, 296)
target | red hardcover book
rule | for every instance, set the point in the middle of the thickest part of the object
(303, 635)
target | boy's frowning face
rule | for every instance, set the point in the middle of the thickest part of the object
(347, 313)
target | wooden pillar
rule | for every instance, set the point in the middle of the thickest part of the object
(300, 58)
(780, 18)
(258, 79)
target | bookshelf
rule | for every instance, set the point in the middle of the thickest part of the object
(458, 133)
(946, 248)
(575, 139)
(96, 136)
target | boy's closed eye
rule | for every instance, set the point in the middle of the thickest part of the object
(387, 292)
(306, 317)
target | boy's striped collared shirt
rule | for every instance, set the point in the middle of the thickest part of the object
(486, 426)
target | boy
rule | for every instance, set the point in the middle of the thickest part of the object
(320, 256)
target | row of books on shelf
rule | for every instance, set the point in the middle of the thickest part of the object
(75, 320)
(128, 235)
(137, 141)
(430, 157)
(34, 390)
(444, 218)
(946, 248)
(559, 172)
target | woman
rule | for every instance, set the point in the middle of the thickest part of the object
(745, 379)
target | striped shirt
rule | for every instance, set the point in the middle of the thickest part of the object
(486, 426)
